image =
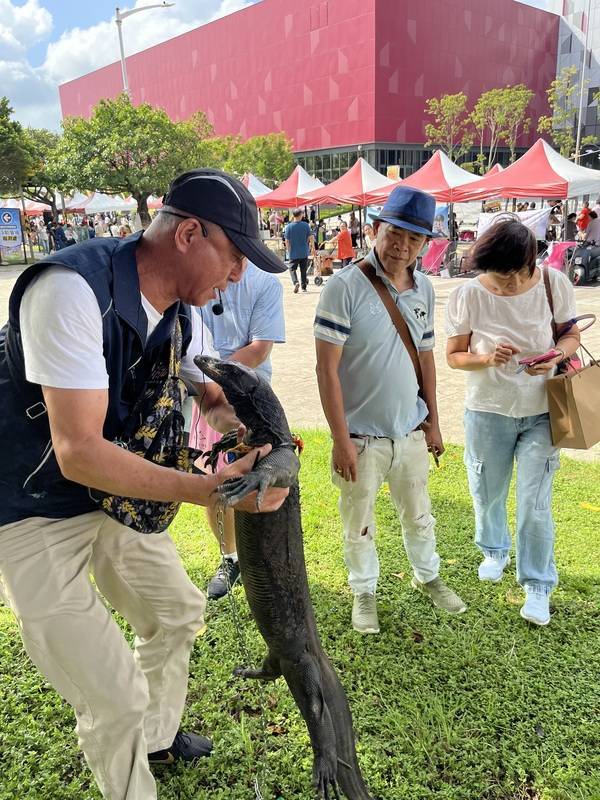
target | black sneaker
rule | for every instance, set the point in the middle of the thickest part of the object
(227, 575)
(296, 288)
(185, 747)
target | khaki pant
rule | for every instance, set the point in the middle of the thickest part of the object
(127, 703)
(404, 465)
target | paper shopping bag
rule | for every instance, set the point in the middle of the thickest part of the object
(574, 405)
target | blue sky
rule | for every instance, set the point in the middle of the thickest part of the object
(46, 42)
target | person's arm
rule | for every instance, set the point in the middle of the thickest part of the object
(76, 418)
(459, 357)
(214, 407)
(253, 354)
(433, 435)
(330, 390)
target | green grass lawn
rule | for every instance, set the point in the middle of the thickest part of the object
(480, 707)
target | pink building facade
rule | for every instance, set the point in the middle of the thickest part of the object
(335, 74)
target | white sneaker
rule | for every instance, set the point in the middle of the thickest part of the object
(492, 568)
(536, 608)
(364, 614)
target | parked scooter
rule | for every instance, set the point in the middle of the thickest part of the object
(585, 263)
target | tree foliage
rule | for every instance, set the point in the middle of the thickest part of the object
(201, 125)
(135, 150)
(271, 157)
(487, 118)
(563, 99)
(15, 152)
(516, 122)
(500, 117)
(449, 130)
(44, 176)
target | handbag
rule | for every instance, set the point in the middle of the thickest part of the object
(155, 431)
(573, 395)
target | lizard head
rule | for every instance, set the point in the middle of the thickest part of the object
(252, 398)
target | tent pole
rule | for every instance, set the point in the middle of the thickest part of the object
(565, 215)
(25, 232)
(360, 222)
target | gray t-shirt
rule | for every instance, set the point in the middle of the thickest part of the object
(378, 380)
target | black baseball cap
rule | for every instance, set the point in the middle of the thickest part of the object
(218, 197)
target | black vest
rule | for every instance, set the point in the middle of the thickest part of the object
(31, 484)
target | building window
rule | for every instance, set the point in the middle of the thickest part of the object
(566, 45)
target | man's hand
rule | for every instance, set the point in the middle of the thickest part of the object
(345, 459)
(502, 354)
(273, 498)
(433, 438)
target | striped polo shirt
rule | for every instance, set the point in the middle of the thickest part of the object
(378, 380)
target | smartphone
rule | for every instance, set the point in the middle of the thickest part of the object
(541, 359)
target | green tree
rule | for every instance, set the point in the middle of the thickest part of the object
(201, 125)
(516, 100)
(563, 99)
(136, 150)
(449, 130)
(216, 151)
(43, 178)
(15, 153)
(489, 120)
(270, 157)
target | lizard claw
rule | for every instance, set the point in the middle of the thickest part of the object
(235, 489)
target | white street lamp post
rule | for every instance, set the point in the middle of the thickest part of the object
(120, 16)
(582, 83)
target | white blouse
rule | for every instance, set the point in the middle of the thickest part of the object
(523, 320)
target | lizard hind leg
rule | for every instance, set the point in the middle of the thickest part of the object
(269, 671)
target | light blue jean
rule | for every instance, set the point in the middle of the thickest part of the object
(493, 443)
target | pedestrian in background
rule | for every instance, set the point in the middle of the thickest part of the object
(354, 226)
(343, 240)
(251, 322)
(298, 244)
(583, 218)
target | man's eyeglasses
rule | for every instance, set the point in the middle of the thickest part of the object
(186, 216)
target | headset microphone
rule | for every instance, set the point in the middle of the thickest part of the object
(217, 308)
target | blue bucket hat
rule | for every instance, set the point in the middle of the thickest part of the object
(409, 208)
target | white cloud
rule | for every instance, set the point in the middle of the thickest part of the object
(28, 24)
(33, 92)
(79, 51)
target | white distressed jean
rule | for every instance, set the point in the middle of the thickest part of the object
(127, 703)
(404, 465)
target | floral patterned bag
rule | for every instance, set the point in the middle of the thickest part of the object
(155, 431)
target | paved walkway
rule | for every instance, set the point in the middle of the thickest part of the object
(294, 377)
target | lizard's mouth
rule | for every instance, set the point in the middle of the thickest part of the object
(209, 366)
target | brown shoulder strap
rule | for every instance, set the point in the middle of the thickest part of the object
(548, 288)
(396, 317)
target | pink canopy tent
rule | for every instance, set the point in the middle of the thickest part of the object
(494, 170)
(255, 186)
(358, 186)
(439, 177)
(32, 208)
(155, 202)
(541, 172)
(292, 191)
